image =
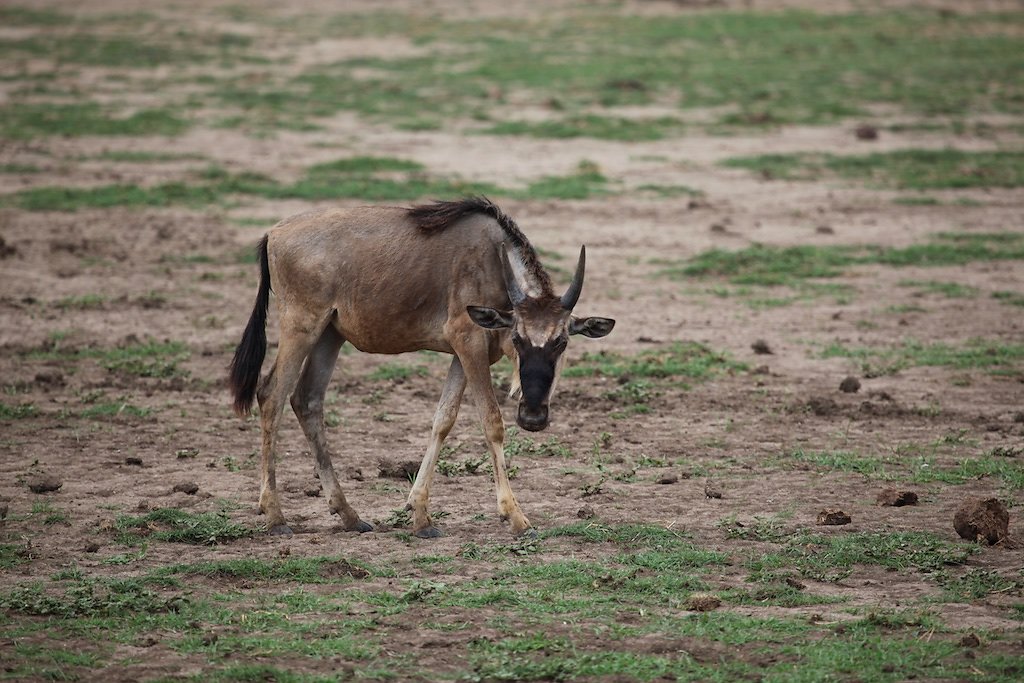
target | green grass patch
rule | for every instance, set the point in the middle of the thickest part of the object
(768, 265)
(690, 360)
(975, 354)
(923, 469)
(84, 598)
(18, 412)
(368, 178)
(149, 358)
(179, 526)
(306, 570)
(593, 126)
(21, 121)
(950, 290)
(396, 372)
(1009, 298)
(911, 169)
(831, 558)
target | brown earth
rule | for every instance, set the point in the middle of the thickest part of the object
(738, 425)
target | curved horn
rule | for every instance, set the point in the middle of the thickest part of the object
(515, 292)
(572, 294)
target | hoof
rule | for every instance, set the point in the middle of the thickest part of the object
(362, 527)
(428, 532)
(281, 530)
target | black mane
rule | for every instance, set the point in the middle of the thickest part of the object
(435, 217)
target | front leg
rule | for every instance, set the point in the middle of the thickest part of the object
(444, 418)
(478, 376)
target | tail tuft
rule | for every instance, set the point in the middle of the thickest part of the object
(244, 375)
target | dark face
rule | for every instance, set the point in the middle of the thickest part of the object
(538, 368)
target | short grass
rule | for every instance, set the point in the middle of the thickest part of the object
(367, 178)
(686, 360)
(621, 613)
(765, 68)
(909, 169)
(178, 526)
(976, 354)
(769, 265)
(758, 68)
(150, 358)
(24, 121)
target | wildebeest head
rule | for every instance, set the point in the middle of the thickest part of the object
(539, 328)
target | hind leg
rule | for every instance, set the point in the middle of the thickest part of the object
(298, 335)
(308, 404)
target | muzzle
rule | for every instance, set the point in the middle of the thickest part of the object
(532, 419)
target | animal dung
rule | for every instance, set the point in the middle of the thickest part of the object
(187, 487)
(760, 347)
(711, 491)
(703, 602)
(668, 479)
(895, 498)
(833, 517)
(983, 520)
(389, 469)
(44, 483)
(850, 385)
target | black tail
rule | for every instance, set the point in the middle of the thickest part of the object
(245, 366)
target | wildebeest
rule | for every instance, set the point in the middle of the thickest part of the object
(457, 277)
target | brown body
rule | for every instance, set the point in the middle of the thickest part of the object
(393, 280)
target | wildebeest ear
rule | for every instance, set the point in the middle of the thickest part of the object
(489, 318)
(591, 327)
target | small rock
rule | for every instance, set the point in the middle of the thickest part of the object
(711, 491)
(284, 551)
(143, 506)
(894, 498)
(793, 583)
(825, 230)
(761, 347)
(761, 370)
(833, 517)
(188, 487)
(91, 547)
(703, 602)
(44, 483)
(312, 491)
(585, 512)
(850, 385)
(982, 520)
(354, 473)
(134, 462)
(183, 453)
(718, 228)
(668, 479)
(970, 640)
(865, 131)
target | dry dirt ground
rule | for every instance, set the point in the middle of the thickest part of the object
(76, 285)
